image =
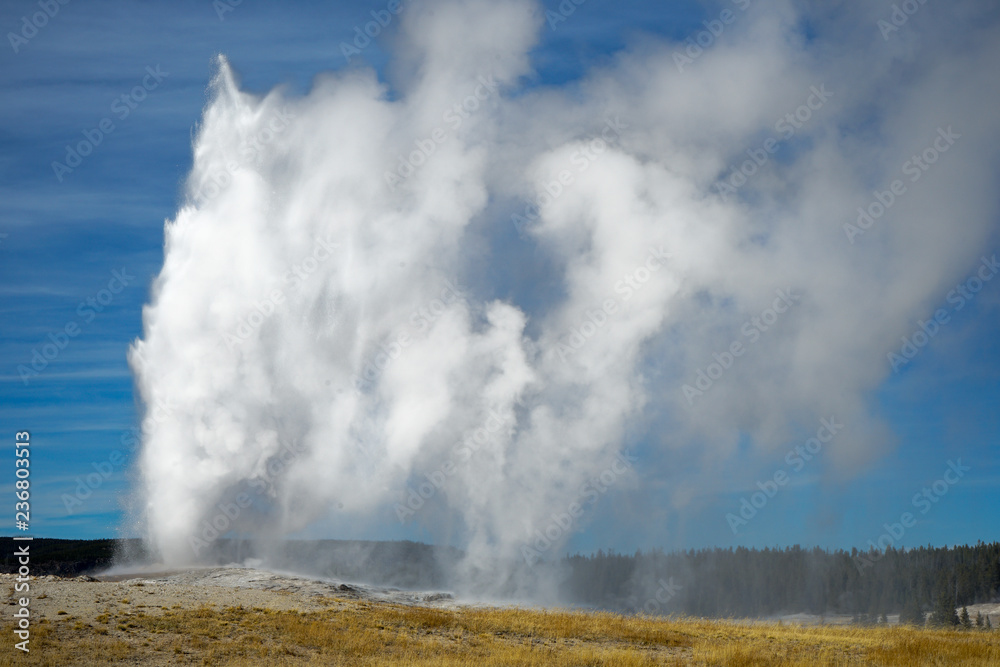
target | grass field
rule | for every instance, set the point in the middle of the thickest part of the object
(365, 633)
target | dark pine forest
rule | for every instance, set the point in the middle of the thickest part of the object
(742, 582)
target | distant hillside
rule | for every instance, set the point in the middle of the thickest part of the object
(63, 557)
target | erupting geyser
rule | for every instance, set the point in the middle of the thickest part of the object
(341, 335)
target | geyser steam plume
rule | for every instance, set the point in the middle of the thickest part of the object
(342, 328)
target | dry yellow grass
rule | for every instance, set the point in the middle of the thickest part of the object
(364, 633)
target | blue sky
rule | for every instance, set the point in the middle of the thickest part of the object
(64, 236)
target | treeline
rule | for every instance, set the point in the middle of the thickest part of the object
(743, 582)
(734, 582)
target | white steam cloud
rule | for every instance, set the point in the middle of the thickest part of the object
(343, 301)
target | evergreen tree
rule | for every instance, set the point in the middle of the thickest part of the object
(912, 613)
(885, 619)
(944, 612)
(979, 620)
(966, 623)
(989, 626)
